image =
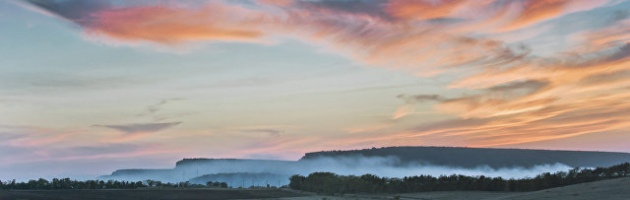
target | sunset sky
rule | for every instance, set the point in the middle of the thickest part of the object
(87, 87)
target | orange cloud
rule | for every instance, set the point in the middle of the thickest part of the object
(577, 98)
(171, 25)
(423, 10)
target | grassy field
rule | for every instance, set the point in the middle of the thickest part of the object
(148, 194)
(614, 189)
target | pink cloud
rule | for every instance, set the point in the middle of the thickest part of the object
(428, 38)
(171, 25)
(423, 10)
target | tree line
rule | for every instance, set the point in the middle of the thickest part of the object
(330, 183)
(67, 183)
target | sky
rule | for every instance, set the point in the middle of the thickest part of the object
(88, 87)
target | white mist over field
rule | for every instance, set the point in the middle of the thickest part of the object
(390, 167)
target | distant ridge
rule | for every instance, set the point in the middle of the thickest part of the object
(474, 157)
(191, 161)
(229, 169)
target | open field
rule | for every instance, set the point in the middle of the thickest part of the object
(608, 189)
(148, 194)
(613, 189)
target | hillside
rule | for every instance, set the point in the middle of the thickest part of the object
(389, 161)
(473, 157)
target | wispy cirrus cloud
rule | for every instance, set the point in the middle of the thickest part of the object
(517, 93)
(410, 102)
(382, 33)
(552, 100)
(140, 127)
(271, 132)
(156, 111)
(28, 144)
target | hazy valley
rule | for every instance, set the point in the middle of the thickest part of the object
(386, 162)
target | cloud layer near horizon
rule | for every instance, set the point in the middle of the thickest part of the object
(518, 90)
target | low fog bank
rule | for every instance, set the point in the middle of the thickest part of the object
(244, 179)
(246, 173)
(390, 167)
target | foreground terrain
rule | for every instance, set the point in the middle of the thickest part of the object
(148, 194)
(608, 189)
(613, 189)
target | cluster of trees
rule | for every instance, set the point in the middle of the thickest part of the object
(217, 184)
(66, 183)
(330, 183)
